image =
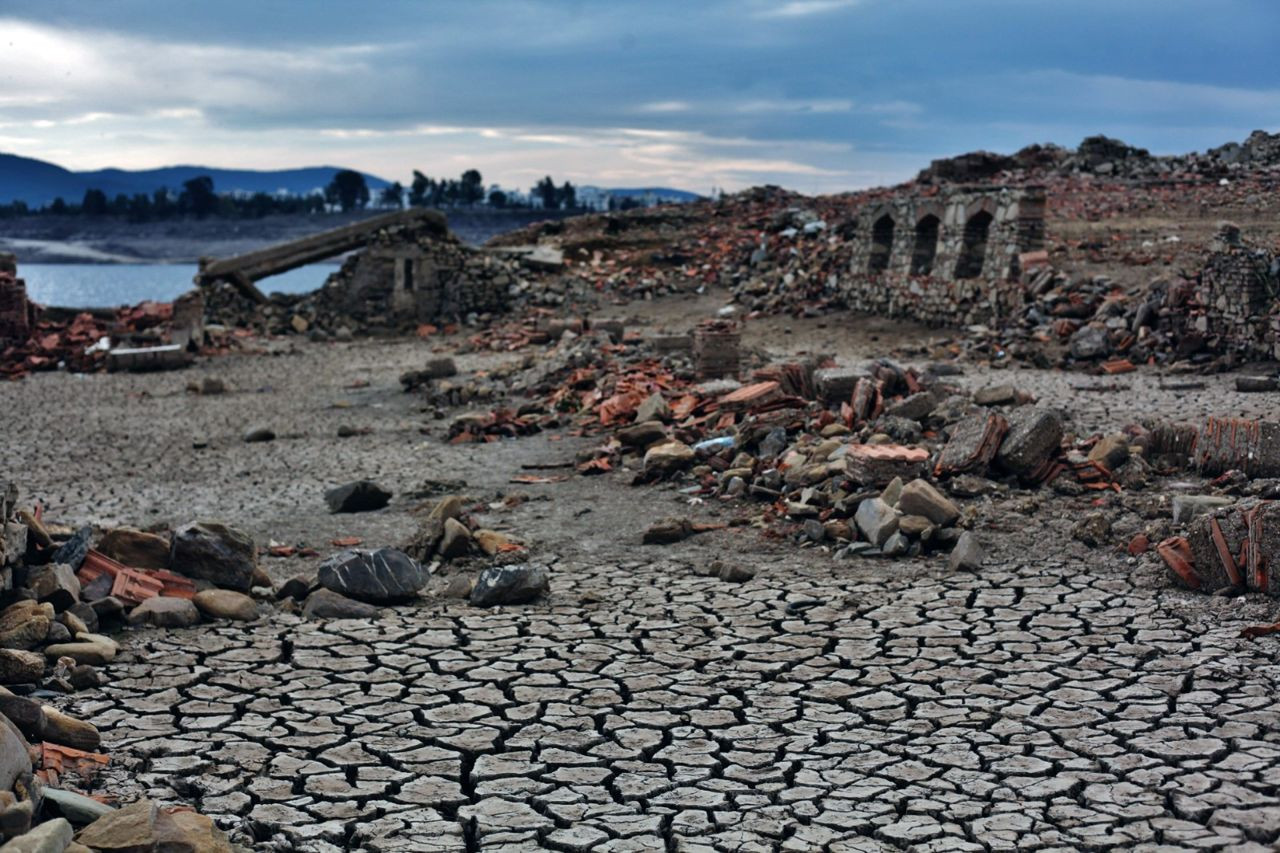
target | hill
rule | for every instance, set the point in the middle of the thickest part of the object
(37, 182)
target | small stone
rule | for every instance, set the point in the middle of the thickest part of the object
(52, 836)
(74, 550)
(297, 587)
(966, 554)
(77, 808)
(226, 604)
(914, 525)
(260, 434)
(919, 497)
(892, 492)
(491, 542)
(360, 496)
(55, 583)
(1093, 530)
(165, 612)
(1111, 451)
(510, 585)
(25, 624)
(736, 573)
(1185, 508)
(664, 459)
(68, 731)
(1257, 384)
(459, 587)
(327, 604)
(996, 395)
(212, 385)
(93, 649)
(654, 408)
(384, 576)
(456, 542)
(877, 521)
(130, 829)
(896, 545)
(642, 434)
(20, 667)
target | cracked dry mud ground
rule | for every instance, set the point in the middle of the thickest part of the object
(1055, 699)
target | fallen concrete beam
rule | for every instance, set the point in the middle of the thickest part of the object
(244, 270)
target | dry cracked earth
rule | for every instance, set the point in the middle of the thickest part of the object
(1056, 699)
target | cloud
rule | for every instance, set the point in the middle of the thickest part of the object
(804, 8)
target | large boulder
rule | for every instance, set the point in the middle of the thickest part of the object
(55, 583)
(510, 585)
(132, 828)
(384, 576)
(214, 552)
(25, 624)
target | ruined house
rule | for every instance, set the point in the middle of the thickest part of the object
(947, 258)
(405, 269)
(17, 313)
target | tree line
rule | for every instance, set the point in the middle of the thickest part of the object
(347, 191)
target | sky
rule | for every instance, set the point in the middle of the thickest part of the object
(814, 95)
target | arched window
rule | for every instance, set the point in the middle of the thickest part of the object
(881, 244)
(974, 250)
(926, 245)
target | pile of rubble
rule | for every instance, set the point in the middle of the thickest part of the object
(66, 591)
(1106, 157)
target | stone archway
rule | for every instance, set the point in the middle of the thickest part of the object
(973, 251)
(881, 244)
(926, 247)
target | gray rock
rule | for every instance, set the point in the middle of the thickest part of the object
(1187, 507)
(966, 554)
(457, 540)
(135, 548)
(55, 583)
(208, 550)
(510, 585)
(1090, 342)
(360, 496)
(15, 761)
(654, 408)
(1034, 437)
(74, 550)
(327, 604)
(896, 545)
(996, 395)
(919, 497)
(736, 573)
(77, 808)
(165, 612)
(93, 649)
(1255, 384)
(384, 576)
(877, 521)
(20, 667)
(52, 836)
(226, 604)
(256, 435)
(917, 407)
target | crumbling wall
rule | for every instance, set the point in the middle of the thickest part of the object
(946, 258)
(1236, 299)
(17, 313)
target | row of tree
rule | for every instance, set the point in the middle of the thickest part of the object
(347, 191)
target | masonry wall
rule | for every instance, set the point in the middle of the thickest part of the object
(950, 257)
(1236, 306)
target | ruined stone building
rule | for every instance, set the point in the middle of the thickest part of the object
(947, 258)
(1234, 306)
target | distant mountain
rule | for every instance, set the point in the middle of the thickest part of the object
(38, 183)
(664, 193)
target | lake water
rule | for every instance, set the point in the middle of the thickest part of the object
(110, 285)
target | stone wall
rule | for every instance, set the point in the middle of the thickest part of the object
(1236, 299)
(17, 314)
(948, 257)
